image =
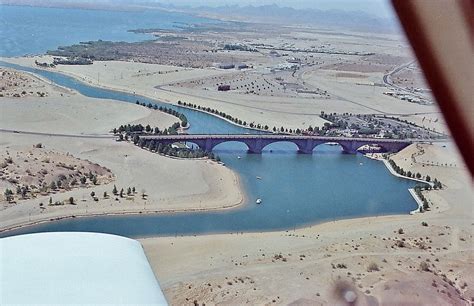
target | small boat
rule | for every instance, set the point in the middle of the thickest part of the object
(259, 177)
(360, 164)
(238, 157)
(259, 201)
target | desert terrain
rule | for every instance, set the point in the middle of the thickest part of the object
(291, 75)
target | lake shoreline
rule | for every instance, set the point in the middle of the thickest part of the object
(156, 212)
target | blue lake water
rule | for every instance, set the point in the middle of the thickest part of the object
(34, 30)
(296, 189)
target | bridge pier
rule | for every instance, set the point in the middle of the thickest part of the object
(308, 146)
(350, 147)
(255, 146)
(208, 145)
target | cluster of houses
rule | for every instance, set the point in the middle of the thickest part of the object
(405, 97)
(232, 66)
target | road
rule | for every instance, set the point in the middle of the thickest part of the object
(57, 134)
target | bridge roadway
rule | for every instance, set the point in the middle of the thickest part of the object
(257, 142)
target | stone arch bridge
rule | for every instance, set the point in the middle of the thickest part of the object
(257, 142)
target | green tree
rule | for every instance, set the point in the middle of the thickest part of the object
(136, 138)
(114, 191)
(53, 185)
(105, 195)
(71, 200)
(8, 195)
(92, 194)
(24, 190)
(129, 191)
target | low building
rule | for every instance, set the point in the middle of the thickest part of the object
(223, 87)
(226, 66)
(274, 53)
(294, 60)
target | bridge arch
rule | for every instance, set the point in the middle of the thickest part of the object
(295, 146)
(232, 145)
(199, 144)
(318, 146)
(391, 146)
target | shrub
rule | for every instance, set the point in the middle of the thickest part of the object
(400, 244)
(424, 266)
(373, 267)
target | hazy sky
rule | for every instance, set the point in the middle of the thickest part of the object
(380, 8)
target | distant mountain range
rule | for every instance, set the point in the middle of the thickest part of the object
(357, 20)
(353, 20)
